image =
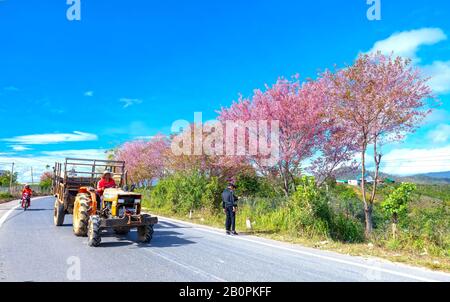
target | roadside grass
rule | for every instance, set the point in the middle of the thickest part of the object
(382, 248)
(5, 197)
(330, 218)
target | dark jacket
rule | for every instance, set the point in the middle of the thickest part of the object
(229, 199)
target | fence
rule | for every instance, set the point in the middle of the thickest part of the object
(17, 189)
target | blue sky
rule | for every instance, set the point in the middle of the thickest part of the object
(129, 69)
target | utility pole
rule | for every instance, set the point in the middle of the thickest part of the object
(32, 178)
(11, 179)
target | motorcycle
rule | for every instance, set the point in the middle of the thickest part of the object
(26, 199)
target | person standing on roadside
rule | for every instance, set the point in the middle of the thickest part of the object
(229, 205)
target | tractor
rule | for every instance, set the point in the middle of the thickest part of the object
(119, 209)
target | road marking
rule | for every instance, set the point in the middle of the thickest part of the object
(5, 216)
(329, 258)
(194, 269)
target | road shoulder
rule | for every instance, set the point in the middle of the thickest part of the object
(371, 262)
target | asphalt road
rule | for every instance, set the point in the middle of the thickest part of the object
(33, 249)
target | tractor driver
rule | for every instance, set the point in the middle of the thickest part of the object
(105, 183)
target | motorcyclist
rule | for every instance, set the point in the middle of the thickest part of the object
(27, 190)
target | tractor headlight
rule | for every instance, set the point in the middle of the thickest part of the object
(137, 201)
(121, 201)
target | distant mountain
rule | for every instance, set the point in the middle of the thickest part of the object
(428, 178)
(438, 174)
(423, 179)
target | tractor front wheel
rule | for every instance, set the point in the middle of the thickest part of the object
(81, 215)
(94, 236)
(145, 233)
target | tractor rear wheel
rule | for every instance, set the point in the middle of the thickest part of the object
(145, 233)
(121, 230)
(58, 213)
(94, 236)
(81, 214)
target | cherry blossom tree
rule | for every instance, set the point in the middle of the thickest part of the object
(336, 152)
(298, 109)
(378, 99)
(145, 160)
(46, 180)
(204, 161)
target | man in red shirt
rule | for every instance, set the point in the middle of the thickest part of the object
(27, 190)
(105, 183)
(26, 193)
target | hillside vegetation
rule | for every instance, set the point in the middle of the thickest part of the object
(329, 217)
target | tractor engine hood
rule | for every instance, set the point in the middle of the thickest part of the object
(117, 193)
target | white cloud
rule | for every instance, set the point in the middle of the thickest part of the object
(437, 116)
(144, 137)
(440, 134)
(89, 93)
(42, 139)
(439, 72)
(416, 161)
(130, 102)
(11, 88)
(39, 162)
(86, 153)
(407, 43)
(19, 148)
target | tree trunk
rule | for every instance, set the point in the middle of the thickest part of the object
(377, 160)
(285, 180)
(367, 206)
(394, 225)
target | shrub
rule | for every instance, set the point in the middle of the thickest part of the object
(182, 192)
(345, 200)
(211, 199)
(250, 185)
(247, 184)
(5, 195)
(347, 229)
(309, 212)
(396, 203)
(427, 227)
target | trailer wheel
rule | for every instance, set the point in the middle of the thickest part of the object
(58, 213)
(81, 215)
(145, 233)
(94, 236)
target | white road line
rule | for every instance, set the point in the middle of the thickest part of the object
(368, 267)
(5, 216)
(194, 269)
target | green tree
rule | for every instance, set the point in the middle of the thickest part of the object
(5, 179)
(396, 204)
(46, 180)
